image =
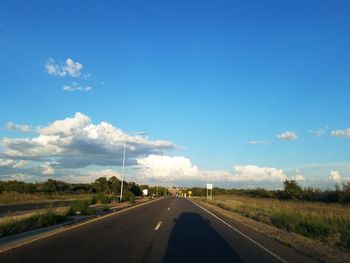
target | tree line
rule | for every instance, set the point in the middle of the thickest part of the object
(109, 186)
(102, 185)
(291, 190)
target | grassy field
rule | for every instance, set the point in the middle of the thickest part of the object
(329, 223)
(7, 198)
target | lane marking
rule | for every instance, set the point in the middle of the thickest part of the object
(158, 225)
(242, 234)
(65, 229)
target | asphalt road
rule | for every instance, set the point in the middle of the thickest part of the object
(167, 230)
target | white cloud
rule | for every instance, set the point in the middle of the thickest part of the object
(90, 176)
(76, 142)
(76, 87)
(262, 142)
(287, 136)
(18, 127)
(54, 69)
(319, 132)
(178, 168)
(47, 169)
(299, 178)
(73, 68)
(335, 176)
(256, 173)
(17, 176)
(341, 133)
(70, 68)
(12, 163)
(166, 168)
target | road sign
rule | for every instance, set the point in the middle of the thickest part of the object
(209, 191)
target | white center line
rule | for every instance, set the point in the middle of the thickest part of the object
(158, 225)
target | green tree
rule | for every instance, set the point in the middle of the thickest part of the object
(292, 189)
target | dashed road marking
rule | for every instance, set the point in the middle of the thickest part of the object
(158, 225)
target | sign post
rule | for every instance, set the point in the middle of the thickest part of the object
(209, 191)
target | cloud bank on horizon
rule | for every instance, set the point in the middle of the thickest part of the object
(77, 150)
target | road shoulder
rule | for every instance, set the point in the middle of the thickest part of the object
(306, 246)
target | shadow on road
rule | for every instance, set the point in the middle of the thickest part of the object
(193, 240)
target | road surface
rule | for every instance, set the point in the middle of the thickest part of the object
(166, 230)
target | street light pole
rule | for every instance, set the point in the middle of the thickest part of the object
(123, 167)
(122, 177)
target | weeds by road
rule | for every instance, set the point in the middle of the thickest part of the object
(7, 198)
(329, 223)
(11, 225)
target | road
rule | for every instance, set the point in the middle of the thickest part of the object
(166, 230)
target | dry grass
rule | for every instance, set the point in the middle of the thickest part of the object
(7, 198)
(329, 223)
(11, 225)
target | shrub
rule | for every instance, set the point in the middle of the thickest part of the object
(101, 198)
(81, 207)
(129, 196)
(105, 208)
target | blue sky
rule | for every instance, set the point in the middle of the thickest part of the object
(208, 76)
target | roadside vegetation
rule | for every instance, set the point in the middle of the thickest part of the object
(291, 191)
(101, 191)
(8, 198)
(10, 225)
(327, 221)
(89, 199)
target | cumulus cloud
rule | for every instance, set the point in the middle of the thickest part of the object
(256, 173)
(73, 68)
(335, 176)
(178, 168)
(19, 127)
(341, 133)
(166, 168)
(287, 136)
(47, 169)
(76, 142)
(299, 178)
(70, 67)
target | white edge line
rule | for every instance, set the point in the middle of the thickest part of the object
(158, 225)
(242, 234)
